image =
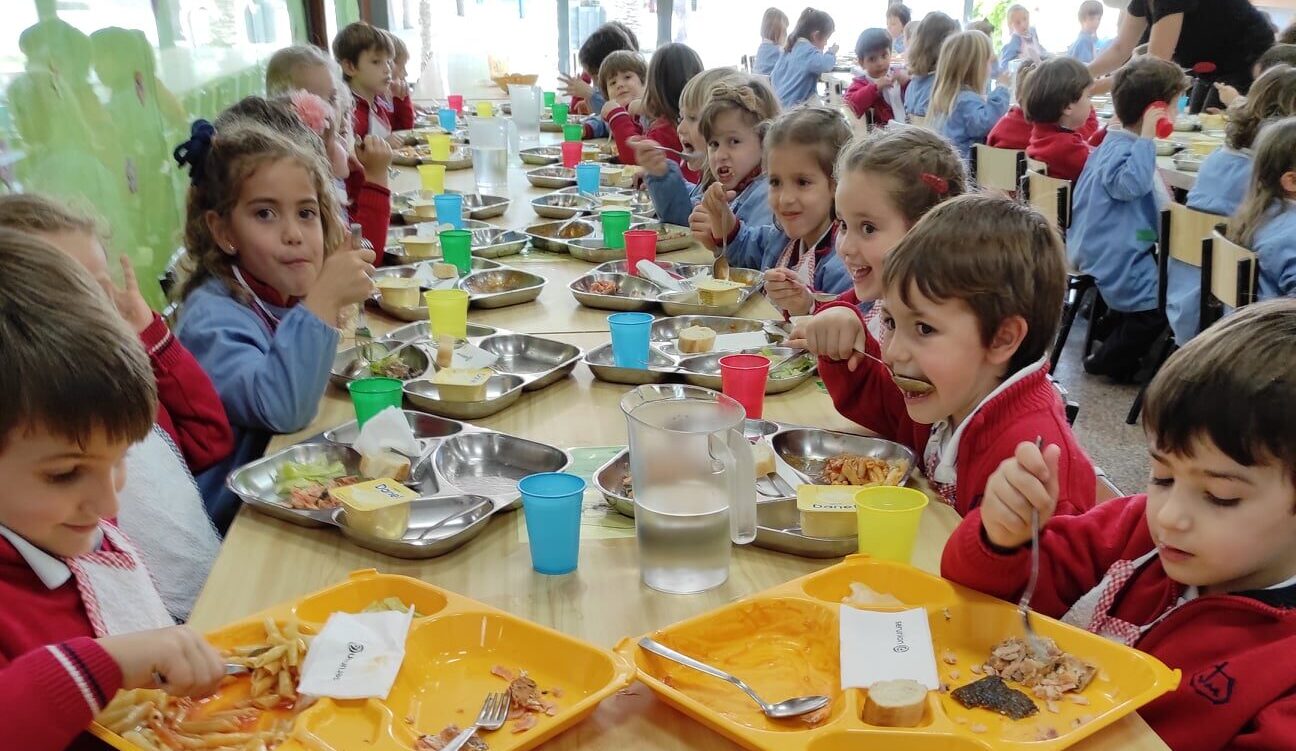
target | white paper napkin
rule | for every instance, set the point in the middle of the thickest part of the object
(738, 342)
(356, 655)
(885, 646)
(471, 357)
(387, 431)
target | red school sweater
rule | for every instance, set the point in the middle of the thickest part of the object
(402, 114)
(361, 114)
(54, 677)
(863, 95)
(1027, 409)
(189, 409)
(624, 126)
(1237, 651)
(1011, 132)
(369, 205)
(1063, 151)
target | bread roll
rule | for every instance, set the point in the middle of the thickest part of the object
(385, 465)
(444, 270)
(895, 704)
(696, 339)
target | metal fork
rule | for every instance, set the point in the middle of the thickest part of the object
(1035, 643)
(493, 713)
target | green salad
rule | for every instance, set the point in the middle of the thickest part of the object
(298, 475)
(797, 366)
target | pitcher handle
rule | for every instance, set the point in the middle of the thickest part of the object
(742, 488)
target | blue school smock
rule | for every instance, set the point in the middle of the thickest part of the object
(674, 197)
(1275, 245)
(759, 247)
(797, 72)
(767, 56)
(917, 95)
(1084, 48)
(970, 119)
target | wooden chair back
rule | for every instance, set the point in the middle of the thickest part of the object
(998, 169)
(1230, 276)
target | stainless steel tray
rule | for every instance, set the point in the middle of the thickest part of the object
(563, 205)
(412, 156)
(704, 370)
(496, 243)
(553, 176)
(541, 155)
(549, 126)
(686, 303)
(610, 481)
(397, 253)
(613, 196)
(632, 292)
(806, 450)
(501, 288)
(418, 135)
(542, 233)
(778, 528)
(686, 270)
(476, 205)
(425, 426)
(666, 362)
(501, 392)
(348, 365)
(408, 270)
(670, 237)
(599, 361)
(490, 464)
(539, 362)
(591, 248)
(422, 331)
(436, 527)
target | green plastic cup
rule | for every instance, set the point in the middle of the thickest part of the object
(888, 519)
(615, 224)
(573, 132)
(560, 114)
(549, 98)
(456, 248)
(447, 312)
(370, 396)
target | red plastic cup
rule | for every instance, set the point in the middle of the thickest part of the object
(571, 153)
(455, 102)
(641, 245)
(1164, 126)
(742, 378)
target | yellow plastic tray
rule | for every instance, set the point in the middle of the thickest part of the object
(446, 674)
(784, 642)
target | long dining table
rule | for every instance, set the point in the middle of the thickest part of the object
(265, 561)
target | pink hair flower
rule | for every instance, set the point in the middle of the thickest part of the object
(313, 111)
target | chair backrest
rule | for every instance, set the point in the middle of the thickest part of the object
(1050, 196)
(1037, 165)
(998, 169)
(1188, 227)
(1230, 276)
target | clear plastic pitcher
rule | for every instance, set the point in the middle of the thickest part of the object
(526, 111)
(694, 488)
(491, 139)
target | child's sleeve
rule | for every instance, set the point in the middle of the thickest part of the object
(594, 127)
(755, 246)
(1090, 126)
(868, 396)
(624, 127)
(671, 196)
(980, 115)
(1272, 728)
(51, 695)
(1131, 178)
(189, 409)
(276, 390)
(360, 122)
(831, 275)
(861, 96)
(822, 62)
(402, 116)
(1075, 552)
(370, 207)
(1011, 50)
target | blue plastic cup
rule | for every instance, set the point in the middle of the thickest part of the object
(449, 208)
(630, 335)
(551, 502)
(446, 117)
(587, 177)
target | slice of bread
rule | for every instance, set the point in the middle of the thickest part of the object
(895, 704)
(696, 340)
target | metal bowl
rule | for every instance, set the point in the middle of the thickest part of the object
(538, 361)
(806, 450)
(348, 365)
(491, 464)
(501, 288)
(436, 527)
(501, 392)
(631, 293)
(554, 176)
(604, 368)
(423, 425)
(563, 205)
(544, 234)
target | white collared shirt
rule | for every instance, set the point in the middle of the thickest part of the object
(52, 572)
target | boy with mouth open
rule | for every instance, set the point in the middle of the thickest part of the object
(1199, 571)
(971, 302)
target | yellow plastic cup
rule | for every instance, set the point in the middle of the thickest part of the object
(432, 176)
(447, 312)
(887, 519)
(439, 146)
(485, 109)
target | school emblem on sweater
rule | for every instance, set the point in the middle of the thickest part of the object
(1215, 685)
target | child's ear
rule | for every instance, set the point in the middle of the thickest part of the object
(349, 68)
(1007, 338)
(1288, 182)
(219, 229)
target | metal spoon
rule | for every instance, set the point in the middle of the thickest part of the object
(1023, 605)
(720, 268)
(912, 385)
(784, 709)
(687, 156)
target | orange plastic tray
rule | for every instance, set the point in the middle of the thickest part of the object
(446, 674)
(784, 642)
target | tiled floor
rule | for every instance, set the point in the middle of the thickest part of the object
(1119, 449)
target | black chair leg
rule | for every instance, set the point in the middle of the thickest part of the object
(1097, 309)
(1161, 351)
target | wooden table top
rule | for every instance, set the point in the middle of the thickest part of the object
(265, 561)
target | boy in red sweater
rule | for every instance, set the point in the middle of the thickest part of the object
(1200, 571)
(879, 93)
(621, 81)
(81, 618)
(971, 300)
(1057, 105)
(1012, 131)
(398, 98)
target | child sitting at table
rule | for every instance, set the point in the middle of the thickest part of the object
(971, 303)
(774, 30)
(674, 186)
(397, 99)
(898, 17)
(1058, 107)
(621, 81)
(365, 54)
(81, 617)
(879, 93)
(585, 98)
(1116, 215)
(1023, 40)
(1279, 54)
(796, 251)
(274, 272)
(669, 72)
(161, 508)
(1266, 221)
(921, 59)
(1222, 185)
(1013, 131)
(960, 110)
(804, 59)
(1085, 47)
(1200, 570)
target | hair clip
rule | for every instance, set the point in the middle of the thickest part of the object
(194, 151)
(311, 110)
(939, 185)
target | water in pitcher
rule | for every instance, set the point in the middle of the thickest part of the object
(490, 169)
(683, 534)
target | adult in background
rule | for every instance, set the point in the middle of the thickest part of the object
(1231, 34)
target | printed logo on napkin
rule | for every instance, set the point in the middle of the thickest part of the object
(356, 655)
(883, 646)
